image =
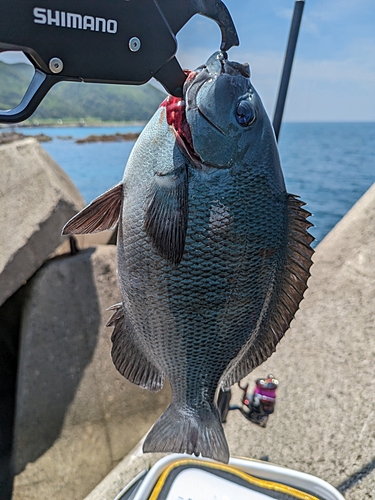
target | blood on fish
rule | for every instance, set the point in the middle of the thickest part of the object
(175, 108)
(176, 118)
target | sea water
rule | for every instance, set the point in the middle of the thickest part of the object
(329, 165)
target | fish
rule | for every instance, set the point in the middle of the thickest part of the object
(213, 253)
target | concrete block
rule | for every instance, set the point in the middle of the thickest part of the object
(36, 199)
(324, 423)
(84, 241)
(76, 416)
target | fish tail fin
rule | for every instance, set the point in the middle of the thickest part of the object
(189, 431)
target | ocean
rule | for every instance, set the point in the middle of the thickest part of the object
(329, 165)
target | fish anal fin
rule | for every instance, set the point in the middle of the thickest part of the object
(287, 298)
(127, 356)
(166, 213)
(101, 214)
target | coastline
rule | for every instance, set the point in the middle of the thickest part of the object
(72, 124)
(7, 137)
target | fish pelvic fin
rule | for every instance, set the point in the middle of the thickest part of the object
(101, 214)
(128, 357)
(184, 430)
(166, 213)
(287, 299)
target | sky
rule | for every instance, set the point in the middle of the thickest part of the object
(333, 77)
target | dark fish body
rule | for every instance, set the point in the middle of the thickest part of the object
(213, 254)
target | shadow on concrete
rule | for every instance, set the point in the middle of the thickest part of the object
(356, 477)
(10, 321)
(59, 333)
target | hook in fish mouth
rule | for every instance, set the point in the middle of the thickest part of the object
(226, 67)
(221, 56)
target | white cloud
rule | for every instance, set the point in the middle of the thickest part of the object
(334, 89)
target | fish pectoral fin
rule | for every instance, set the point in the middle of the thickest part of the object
(166, 213)
(286, 300)
(128, 357)
(101, 214)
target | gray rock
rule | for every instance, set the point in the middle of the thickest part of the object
(76, 416)
(324, 422)
(36, 199)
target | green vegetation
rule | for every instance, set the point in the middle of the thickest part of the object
(74, 102)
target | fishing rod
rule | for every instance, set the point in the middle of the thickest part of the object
(288, 63)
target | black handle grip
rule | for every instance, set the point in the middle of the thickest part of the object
(102, 42)
(38, 88)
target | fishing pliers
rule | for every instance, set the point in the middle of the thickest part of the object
(112, 41)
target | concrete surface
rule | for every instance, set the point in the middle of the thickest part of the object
(36, 199)
(84, 241)
(76, 416)
(123, 473)
(324, 422)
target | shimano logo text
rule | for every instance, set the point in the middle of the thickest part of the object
(72, 20)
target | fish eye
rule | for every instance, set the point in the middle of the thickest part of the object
(245, 113)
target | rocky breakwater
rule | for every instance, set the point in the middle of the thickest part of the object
(70, 418)
(131, 136)
(36, 198)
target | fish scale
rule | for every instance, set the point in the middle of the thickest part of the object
(213, 254)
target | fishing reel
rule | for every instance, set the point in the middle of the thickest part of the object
(256, 406)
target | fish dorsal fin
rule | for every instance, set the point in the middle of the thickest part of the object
(285, 302)
(166, 213)
(101, 214)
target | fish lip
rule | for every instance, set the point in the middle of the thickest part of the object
(191, 82)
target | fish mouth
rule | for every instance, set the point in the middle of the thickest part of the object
(196, 79)
(216, 66)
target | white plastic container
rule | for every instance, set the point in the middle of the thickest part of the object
(181, 477)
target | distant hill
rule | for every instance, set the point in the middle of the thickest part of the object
(75, 101)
